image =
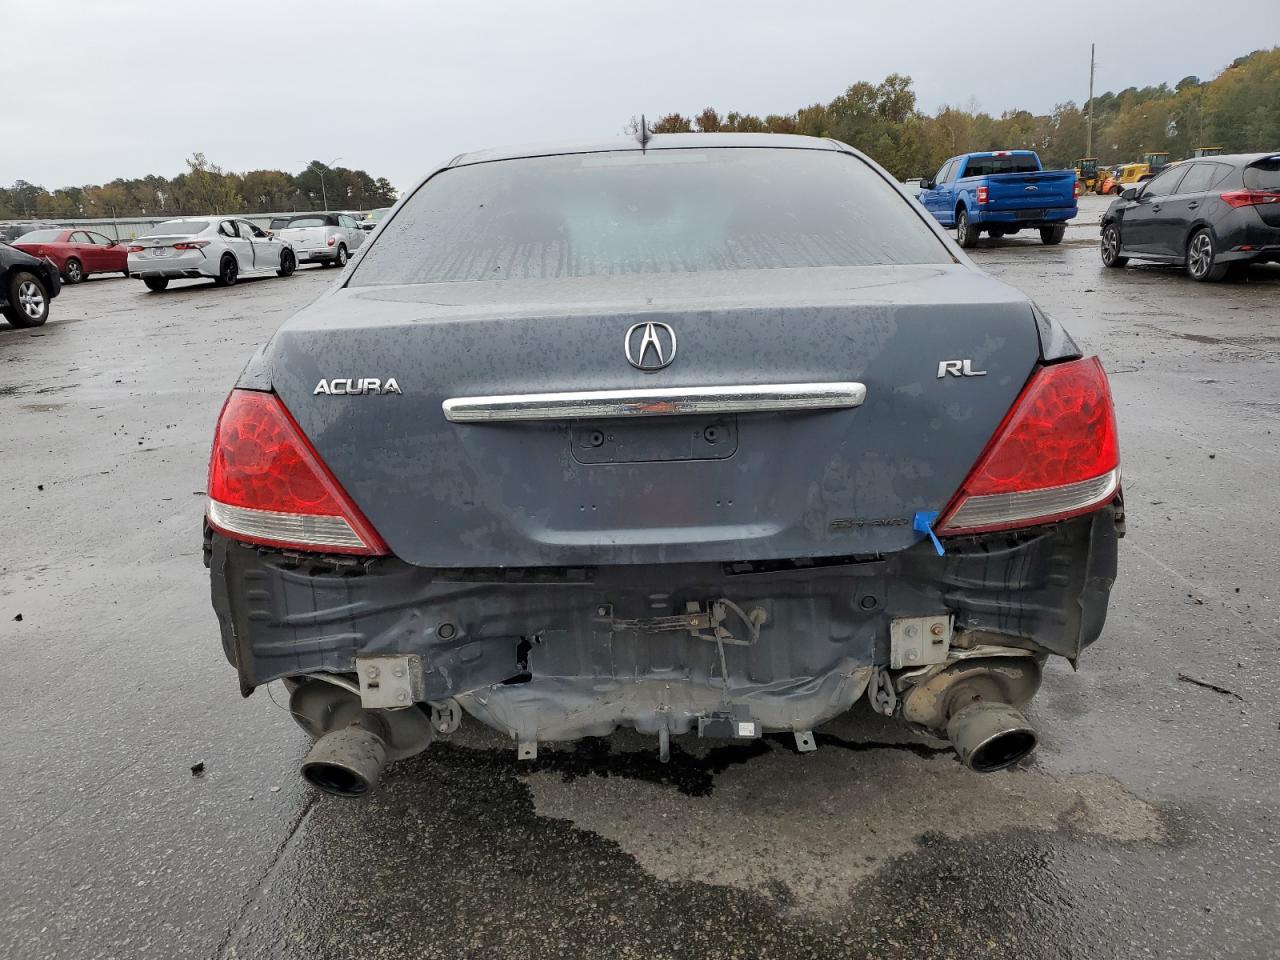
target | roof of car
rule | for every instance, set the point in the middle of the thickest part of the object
(658, 141)
(1241, 158)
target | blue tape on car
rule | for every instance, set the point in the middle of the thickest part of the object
(923, 523)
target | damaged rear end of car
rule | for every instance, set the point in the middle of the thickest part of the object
(706, 436)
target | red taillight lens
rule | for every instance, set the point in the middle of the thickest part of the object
(1250, 198)
(134, 248)
(268, 485)
(983, 193)
(1056, 455)
(191, 245)
(1075, 190)
(332, 241)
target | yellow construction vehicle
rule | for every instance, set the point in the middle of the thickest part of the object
(1155, 162)
(1125, 175)
(1087, 172)
(1199, 152)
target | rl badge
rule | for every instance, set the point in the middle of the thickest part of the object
(356, 388)
(958, 368)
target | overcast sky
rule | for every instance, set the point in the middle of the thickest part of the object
(123, 88)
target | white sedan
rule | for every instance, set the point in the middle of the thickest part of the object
(224, 248)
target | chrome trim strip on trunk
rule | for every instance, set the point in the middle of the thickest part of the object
(664, 401)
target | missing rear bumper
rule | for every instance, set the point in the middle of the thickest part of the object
(559, 653)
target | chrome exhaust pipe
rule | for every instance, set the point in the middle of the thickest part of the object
(348, 762)
(989, 736)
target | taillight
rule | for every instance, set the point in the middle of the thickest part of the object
(268, 485)
(1250, 198)
(135, 248)
(982, 195)
(1055, 455)
(191, 245)
(332, 241)
(1075, 190)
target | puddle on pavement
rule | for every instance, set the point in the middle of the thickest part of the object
(821, 823)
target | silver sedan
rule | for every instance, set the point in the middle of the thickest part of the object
(324, 238)
(224, 248)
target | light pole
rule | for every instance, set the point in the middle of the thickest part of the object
(324, 194)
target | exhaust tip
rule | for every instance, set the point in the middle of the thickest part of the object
(990, 736)
(336, 779)
(346, 762)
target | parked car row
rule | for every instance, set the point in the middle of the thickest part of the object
(223, 249)
(324, 238)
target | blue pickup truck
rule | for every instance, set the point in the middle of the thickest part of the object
(1000, 192)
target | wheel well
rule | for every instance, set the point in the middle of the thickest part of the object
(1196, 228)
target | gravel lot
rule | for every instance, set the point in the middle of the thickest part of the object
(1147, 824)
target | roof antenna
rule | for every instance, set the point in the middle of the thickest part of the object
(644, 134)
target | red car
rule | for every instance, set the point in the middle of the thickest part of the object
(77, 253)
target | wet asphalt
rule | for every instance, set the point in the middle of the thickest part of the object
(1147, 825)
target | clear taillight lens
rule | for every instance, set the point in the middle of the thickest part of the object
(268, 485)
(1056, 455)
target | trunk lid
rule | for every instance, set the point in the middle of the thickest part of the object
(305, 236)
(747, 486)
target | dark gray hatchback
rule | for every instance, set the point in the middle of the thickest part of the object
(709, 434)
(1208, 215)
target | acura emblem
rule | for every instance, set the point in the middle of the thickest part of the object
(650, 346)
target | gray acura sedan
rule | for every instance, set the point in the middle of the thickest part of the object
(698, 434)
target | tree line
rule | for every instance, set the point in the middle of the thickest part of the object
(1239, 110)
(203, 188)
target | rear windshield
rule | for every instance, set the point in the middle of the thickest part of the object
(986, 166)
(177, 228)
(664, 211)
(40, 236)
(312, 220)
(1263, 175)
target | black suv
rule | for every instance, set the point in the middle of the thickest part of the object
(27, 284)
(1208, 215)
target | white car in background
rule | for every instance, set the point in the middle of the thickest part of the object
(326, 238)
(373, 218)
(224, 248)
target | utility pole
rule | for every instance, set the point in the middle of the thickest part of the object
(1088, 147)
(320, 168)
